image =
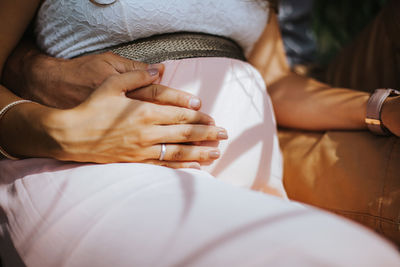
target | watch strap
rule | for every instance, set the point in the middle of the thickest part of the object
(374, 107)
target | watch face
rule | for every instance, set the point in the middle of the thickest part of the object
(394, 92)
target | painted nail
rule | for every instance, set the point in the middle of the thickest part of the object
(153, 72)
(195, 166)
(214, 154)
(194, 103)
(222, 135)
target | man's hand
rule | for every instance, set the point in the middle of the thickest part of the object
(62, 83)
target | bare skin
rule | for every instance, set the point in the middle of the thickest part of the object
(62, 83)
(299, 102)
(304, 103)
(108, 126)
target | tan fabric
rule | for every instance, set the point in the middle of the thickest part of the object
(355, 174)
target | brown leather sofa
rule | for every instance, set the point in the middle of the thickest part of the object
(353, 173)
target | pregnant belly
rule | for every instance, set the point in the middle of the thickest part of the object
(234, 94)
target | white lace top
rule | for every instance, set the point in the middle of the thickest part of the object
(67, 28)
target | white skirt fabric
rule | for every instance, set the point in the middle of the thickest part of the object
(67, 214)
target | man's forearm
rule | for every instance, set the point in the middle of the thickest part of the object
(33, 75)
(16, 63)
(20, 65)
(304, 103)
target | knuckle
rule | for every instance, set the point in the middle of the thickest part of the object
(145, 113)
(181, 117)
(94, 83)
(142, 139)
(203, 155)
(204, 118)
(148, 114)
(187, 133)
(177, 155)
(155, 92)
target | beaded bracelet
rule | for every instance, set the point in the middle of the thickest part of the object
(2, 112)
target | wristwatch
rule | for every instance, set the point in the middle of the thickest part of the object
(374, 107)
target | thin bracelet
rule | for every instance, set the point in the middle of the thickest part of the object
(2, 112)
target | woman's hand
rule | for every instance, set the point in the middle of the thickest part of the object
(390, 114)
(111, 127)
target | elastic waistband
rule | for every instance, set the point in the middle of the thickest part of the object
(172, 46)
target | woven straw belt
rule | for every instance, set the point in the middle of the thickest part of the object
(172, 46)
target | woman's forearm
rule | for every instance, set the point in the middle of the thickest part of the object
(24, 131)
(15, 16)
(304, 103)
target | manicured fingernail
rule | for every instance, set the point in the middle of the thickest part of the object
(194, 103)
(153, 72)
(222, 135)
(213, 154)
(195, 166)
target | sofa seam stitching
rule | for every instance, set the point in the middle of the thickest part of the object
(379, 218)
